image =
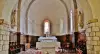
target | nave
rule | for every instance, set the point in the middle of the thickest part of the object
(71, 25)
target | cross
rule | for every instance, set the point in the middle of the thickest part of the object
(47, 34)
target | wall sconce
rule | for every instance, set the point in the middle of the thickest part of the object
(92, 21)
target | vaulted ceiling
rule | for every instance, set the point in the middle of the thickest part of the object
(39, 10)
(55, 11)
(35, 11)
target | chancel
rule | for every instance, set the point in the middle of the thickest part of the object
(47, 43)
(49, 26)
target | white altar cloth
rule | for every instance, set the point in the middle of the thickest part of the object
(48, 39)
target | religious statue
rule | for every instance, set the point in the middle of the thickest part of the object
(81, 20)
(13, 18)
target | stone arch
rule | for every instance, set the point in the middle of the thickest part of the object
(32, 1)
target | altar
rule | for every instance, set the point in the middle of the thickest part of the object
(48, 45)
(47, 39)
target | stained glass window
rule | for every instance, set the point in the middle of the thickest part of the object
(46, 27)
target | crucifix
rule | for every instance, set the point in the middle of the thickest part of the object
(47, 34)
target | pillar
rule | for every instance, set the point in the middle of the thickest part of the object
(4, 39)
(93, 38)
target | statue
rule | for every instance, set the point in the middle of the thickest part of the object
(13, 18)
(81, 20)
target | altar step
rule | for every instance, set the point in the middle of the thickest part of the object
(32, 51)
(66, 52)
(36, 53)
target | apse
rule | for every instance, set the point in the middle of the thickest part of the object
(53, 10)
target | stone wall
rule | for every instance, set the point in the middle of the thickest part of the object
(4, 39)
(93, 38)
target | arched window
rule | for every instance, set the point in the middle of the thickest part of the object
(46, 27)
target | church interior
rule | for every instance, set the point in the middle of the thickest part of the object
(49, 27)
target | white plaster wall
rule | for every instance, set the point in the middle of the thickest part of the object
(48, 9)
(8, 6)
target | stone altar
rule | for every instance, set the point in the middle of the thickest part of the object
(48, 45)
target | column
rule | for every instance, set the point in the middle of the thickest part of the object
(93, 38)
(4, 39)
